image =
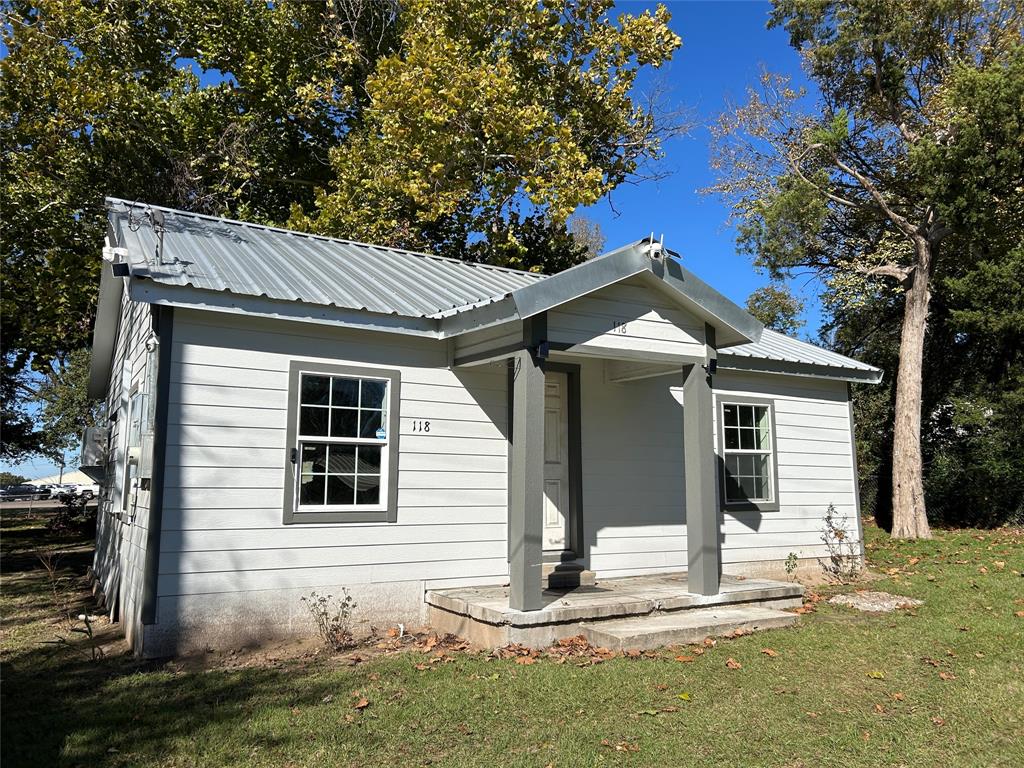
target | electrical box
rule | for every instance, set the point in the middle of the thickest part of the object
(94, 446)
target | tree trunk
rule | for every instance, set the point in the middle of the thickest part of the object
(908, 511)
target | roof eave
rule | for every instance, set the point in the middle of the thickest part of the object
(810, 370)
(104, 333)
(189, 297)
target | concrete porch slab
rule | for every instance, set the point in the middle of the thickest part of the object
(483, 616)
(679, 627)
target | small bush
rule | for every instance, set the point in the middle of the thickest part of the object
(843, 563)
(332, 616)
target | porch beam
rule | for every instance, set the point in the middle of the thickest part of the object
(526, 474)
(703, 554)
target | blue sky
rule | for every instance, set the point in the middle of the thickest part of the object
(725, 44)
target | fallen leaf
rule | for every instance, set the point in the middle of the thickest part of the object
(649, 712)
(525, 660)
(393, 632)
(999, 564)
(327, 699)
(898, 696)
(770, 652)
(914, 561)
(938, 721)
(661, 687)
(684, 696)
(813, 714)
(731, 663)
(983, 569)
(1019, 614)
(875, 674)
(363, 703)
(685, 658)
(710, 642)
(933, 662)
(947, 676)
(866, 735)
(879, 709)
(421, 667)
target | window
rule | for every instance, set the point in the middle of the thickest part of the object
(748, 455)
(342, 444)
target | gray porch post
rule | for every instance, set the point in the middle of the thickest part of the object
(704, 557)
(526, 481)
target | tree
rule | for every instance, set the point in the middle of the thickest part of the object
(887, 168)
(468, 128)
(777, 308)
(9, 478)
(490, 116)
(587, 234)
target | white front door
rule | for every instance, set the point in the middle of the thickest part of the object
(556, 460)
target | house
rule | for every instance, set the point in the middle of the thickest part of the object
(445, 440)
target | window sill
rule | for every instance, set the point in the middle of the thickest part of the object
(335, 516)
(750, 506)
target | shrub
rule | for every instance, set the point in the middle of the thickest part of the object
(332, 617)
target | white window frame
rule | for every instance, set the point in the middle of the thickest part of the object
(771, 503)
(385, 510)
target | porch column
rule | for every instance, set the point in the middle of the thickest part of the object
(704, 558)
(526, 480)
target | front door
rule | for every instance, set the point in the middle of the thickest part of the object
(556, 461)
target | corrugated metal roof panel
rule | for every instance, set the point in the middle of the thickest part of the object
(223, 255)
(776, 346)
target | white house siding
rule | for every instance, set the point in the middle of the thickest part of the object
(118, 562)
(230, 571)
(815, 468)
(634, 511)
(628, 319)
(632, 454)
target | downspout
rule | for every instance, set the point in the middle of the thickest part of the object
(164, 330)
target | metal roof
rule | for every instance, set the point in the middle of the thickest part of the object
(188, 250)
(775, 347)
(223, 255)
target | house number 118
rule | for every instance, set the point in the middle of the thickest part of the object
(420, 426)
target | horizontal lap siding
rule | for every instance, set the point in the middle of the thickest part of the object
(815, 468)
(120, 556)
(633, 472)
(223, 529)
(632, 443)
(629, 317)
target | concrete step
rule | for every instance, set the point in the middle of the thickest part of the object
(690, 626)
(566, 576)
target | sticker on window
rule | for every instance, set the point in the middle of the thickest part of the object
(381, 433)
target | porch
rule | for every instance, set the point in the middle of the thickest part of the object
(621, 613)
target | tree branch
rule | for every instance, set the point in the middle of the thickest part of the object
(905, 226)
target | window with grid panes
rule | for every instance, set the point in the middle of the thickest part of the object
(747, 452)
(343, 435)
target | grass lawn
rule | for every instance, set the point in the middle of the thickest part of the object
(942, 685)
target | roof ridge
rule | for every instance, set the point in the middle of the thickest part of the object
(343, 241)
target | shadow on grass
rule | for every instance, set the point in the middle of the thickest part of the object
(110, 708)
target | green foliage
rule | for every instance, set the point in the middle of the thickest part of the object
(469, 128)
(777, 308)
(65, 407)
(10, 478)
(491, 118)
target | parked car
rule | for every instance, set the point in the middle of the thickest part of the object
(24, 492)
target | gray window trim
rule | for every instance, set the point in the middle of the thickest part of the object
(746, 506)
(292, 516)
